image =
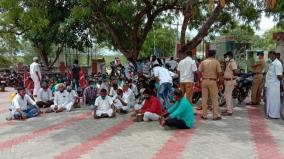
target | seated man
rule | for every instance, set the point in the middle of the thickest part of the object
(90, 94)
(23, 106)
(120, 102)
(104, 106)
(180, 115)
(151, 109)
(61, 101)
(44, 96)
(113, 91)
(73, 99)
(128, 95)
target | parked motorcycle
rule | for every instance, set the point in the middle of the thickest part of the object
(243, 86)
(197, 94)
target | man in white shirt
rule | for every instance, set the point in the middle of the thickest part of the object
(73, 99)
(165, 80)
(44, 98)
(186, 70)
(104, 107)
(23, 106)
(120, 102)
(273, 83)
(35, 74)
(62, 100)
(172, 63)
(128, 95)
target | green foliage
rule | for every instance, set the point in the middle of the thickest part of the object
(165, 42)
(44, 23)
(4, 62)
(267, 42)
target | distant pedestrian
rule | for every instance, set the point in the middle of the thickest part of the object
(272, 86)
(75, 75)
(35, 74)
(230, 81)
(186, 70)
(258, 80)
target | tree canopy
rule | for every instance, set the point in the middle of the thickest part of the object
(124, 25)
(44, 23)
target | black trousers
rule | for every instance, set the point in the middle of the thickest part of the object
(176, 123)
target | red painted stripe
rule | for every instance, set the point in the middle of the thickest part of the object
(264, 143)
(4, 124)
(175, 145)
(24, 138)
(91, 143)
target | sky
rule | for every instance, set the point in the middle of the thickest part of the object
(266, 23)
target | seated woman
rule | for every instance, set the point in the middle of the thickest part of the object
(23, 106)
(180, 115)
(151, 109)
(104, 106)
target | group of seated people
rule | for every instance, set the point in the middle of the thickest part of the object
(106, 102)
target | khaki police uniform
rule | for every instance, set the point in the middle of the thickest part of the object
(210, 68)
(258, 81)
(229, 81)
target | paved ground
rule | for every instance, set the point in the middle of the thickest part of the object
(246, 135)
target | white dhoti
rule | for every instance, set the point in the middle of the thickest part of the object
(109, 112)
(119, 105)
(67, 106)
(36, 85)
(273, 102)
(148, 116)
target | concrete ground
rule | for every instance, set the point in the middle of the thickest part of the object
(245, 135)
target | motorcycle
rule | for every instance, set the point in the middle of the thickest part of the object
(243, 86)
(197, 94)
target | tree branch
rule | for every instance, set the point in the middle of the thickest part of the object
(204, 29)
(112, 31)
(187, 15)
(58, 52)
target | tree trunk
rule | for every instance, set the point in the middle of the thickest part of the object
(58, 52)
(187, 15)
(204, 29)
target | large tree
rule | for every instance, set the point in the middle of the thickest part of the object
(213, 16)
(125, 24)
(45, 24)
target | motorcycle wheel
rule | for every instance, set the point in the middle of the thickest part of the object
(222, 100)
(282, 111)
(195, 97)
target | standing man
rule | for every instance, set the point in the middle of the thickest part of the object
(172, 63)
(230, 81)
(258, 79)
(272, 86)
(35, 74)
(165, 80)
(186, 69)
(211, 72)
(75, 75)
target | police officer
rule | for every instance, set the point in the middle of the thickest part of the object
(258, 79)
(229, 81)
(211, 72)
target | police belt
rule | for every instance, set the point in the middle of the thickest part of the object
(229, 79)
(211, 79)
